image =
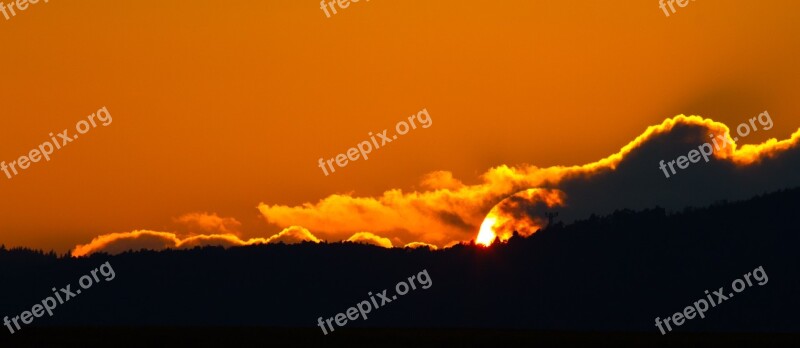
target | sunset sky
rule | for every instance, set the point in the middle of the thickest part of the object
(220, 106)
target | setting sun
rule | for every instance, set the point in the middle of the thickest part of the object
(486, 235)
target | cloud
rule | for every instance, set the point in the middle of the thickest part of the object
(441, 180)
(414, 245)
(369, 238)
(210, 222)
(447, 211)
(293, 235)
(115, 243)
(524, 211)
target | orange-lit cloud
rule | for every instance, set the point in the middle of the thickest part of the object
(448, 211)
(414, 245)
(292, 235)
(441, 180)
(523, 212)
(210, 222)
(115, 243)
(369, 238)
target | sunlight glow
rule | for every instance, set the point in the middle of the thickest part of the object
(486, 235)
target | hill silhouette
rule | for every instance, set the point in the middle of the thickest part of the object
(608, 274)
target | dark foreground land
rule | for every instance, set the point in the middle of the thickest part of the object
(596, 282)
(389, 338)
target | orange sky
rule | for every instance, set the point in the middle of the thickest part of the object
(219, 106)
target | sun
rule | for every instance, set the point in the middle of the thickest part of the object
(486, 235)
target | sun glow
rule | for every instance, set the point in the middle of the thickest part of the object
(486, 235)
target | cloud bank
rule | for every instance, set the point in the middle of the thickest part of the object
(115, 243)
(446, 211)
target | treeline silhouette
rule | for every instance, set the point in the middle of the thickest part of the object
(614, 273)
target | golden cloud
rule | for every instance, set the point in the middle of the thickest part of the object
(369, 238)
(445, 211)
(293, 235)
(414, 245)
(210, 222)
(115, 243)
